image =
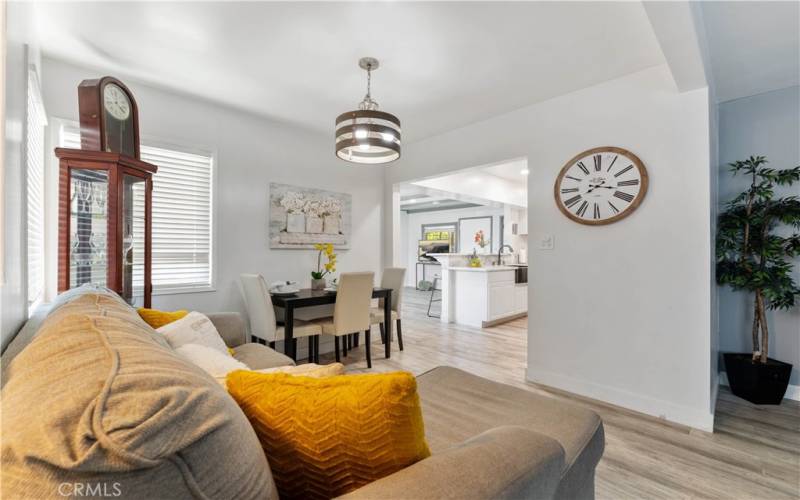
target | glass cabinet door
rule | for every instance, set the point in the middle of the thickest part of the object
(133, 239)
(88, 239)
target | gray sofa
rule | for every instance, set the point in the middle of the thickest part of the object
(93, 396)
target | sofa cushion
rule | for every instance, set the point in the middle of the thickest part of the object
(258, 356)
(96, 399)
(457, 405)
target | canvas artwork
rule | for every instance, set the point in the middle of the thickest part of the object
(299, 217)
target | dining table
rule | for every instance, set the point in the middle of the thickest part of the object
(306, 297)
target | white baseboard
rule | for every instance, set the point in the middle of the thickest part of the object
(792, 392)
(699, 419)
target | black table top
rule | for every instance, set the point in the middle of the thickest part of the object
(308, 297)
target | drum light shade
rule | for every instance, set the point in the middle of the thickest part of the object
(367, 135)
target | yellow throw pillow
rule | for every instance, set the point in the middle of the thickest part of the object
(157, 319)
(327, 436)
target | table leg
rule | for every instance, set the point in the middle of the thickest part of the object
(288, 327)
(387, 323)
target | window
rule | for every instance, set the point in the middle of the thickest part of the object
(182, 216)
(36, 122)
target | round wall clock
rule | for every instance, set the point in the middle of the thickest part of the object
(601, 185)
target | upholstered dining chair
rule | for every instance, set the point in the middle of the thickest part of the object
(393, 277)
(351, 313)
(262, 316)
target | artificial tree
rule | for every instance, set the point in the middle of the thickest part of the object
(754, 253)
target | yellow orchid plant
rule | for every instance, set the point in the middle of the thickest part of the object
(330, 266)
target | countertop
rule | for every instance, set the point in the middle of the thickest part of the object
(485, 269)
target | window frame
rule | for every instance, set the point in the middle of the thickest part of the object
(174, 145)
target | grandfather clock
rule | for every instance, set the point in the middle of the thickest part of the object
(105, 197)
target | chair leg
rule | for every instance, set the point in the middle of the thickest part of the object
(311, 349)
(344, 346)
(367, 348)
(356, 339)
(399, 335)
(316, 349)
(383, 333)
(336, 347)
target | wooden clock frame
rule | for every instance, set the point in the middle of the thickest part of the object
(92, 114)
(93, 156)
(603, 149)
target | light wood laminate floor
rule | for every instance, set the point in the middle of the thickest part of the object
(754, 451)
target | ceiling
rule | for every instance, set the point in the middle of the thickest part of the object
(297, 62)
(415, 199)
(514, 171)
(754, 47)
(493, 185)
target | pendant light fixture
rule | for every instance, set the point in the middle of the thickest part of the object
(368, 135)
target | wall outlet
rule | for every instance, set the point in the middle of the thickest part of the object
(547, 242)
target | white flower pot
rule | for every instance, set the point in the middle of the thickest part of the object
(313, 225)
(332, 224)
(295, 223)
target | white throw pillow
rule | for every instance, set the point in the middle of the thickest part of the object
(210, 360)
(194, 328)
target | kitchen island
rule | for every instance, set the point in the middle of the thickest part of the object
(480, 296)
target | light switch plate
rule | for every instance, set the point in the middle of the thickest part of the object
(547, 242)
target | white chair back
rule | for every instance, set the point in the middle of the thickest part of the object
(353, 299)
(259, 307)
(394, 277)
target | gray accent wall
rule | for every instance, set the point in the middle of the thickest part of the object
(765, 124)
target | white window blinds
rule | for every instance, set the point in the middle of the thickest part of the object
(182, 216)
(36, 122)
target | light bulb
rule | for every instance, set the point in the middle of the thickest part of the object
(363, 147)
(524, 171)
(387, 137)
(361, 133)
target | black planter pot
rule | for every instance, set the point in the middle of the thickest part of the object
(759, 383)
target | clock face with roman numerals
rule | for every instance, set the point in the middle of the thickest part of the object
(601, 186)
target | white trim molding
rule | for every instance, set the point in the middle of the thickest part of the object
(666, 410)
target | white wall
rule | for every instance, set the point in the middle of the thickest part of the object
(20, 54)
(251, 152)
(765, 124)
(619, 313)
(413, 230)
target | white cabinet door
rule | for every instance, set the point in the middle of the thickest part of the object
(501, 299)
(521, 299)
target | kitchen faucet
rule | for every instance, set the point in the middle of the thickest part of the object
(500, 254)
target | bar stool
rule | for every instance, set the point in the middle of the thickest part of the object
(433, 299)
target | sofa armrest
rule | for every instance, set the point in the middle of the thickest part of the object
(230, 326)
(504, 462)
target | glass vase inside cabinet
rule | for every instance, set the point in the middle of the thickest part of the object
(88, 222)
(105, 222)
(133, 239)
